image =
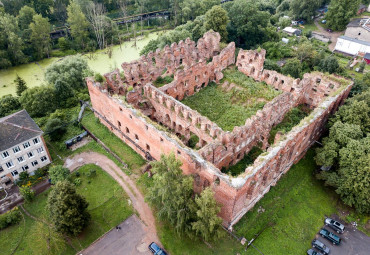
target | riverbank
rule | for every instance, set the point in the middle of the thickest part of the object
(99, 61)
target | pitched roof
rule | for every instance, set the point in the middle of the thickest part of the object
(354, 40)
(16, 128)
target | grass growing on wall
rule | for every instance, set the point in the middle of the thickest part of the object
(160, 82)
(291, 119)
(230, 108)
(247, 160)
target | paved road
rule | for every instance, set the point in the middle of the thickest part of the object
(354, 242)
(126, 241)
(126, 183)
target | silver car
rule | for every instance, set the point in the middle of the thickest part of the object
(337, 226)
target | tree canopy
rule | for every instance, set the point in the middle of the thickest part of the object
(340, 13)
(67, 209)
(217, 19)
(347, 151)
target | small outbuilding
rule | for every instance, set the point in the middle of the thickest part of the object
(367, 58)
(292, 31)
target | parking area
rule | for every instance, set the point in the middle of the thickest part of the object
(354, 242)
(128, 240)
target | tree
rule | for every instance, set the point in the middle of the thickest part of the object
(96, 17)
(8, 105)
(346, 150)
(293, 67)
(207, 223)
(20, 85)
(64, 94)
(329, 64)
(304, 9)
(217, 19)
(247, 25)
(192, 9)
(11, 44)
(71, 71)
(340, 13)
(78, 23)
(58, 173)
(25, 17)
(43, 7)
(67, 209)
(171, 193)
(55, 128)
(40, 37)
(27, 193)
(38, 101)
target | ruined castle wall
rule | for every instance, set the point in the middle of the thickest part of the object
(119, 117)
(192, 79)
(180, 117)
(256, 130)
(267, 169)
(149, 68)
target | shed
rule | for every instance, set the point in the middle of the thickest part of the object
(292, 31)
(367, 58)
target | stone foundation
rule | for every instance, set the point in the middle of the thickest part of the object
(153, 121)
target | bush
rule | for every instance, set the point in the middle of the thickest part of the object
(27, 193)
(23, 176)
(9, 218)
(55, 129)
(92, 172)
(98, 77)
(194, 139)
(77, 181)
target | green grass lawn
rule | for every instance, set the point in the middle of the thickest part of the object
(231, 108)
(108, 206)
(121, 149)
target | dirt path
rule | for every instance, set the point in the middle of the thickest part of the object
(126, 183)
(333, 36)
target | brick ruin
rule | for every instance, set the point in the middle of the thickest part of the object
(152, 120)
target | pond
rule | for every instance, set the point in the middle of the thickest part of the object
(99, 61)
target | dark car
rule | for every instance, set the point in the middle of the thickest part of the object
(320, 246)
(313, 252)
(337, 226)
(156, 250)
(330, 236)
(329, 30)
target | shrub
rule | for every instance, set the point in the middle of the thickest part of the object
(27, 193)
(98, 77)
(77, 181)
(9, 218)
(194, 139)
(92, 172)
(24, 176)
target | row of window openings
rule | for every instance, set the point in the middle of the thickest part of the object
(17, 149)
(25, 167)
(20, 159)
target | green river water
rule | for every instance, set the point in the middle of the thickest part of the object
(33, 73)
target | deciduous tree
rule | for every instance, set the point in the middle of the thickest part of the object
(40, 36)
(171, 193)
(78, 24)
(207, 223)
(67, 209)
(38, 101)
(58, 173)
(217, 19)
(340, 13)
(8, 105)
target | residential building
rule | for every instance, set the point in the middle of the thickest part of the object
(359, 29)
(351, 46)
(22, 147)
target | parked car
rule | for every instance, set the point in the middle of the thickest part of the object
(337, 226)
(329, 30)
(156, 250)
(330, 236)
(313, 252)
(320, 246)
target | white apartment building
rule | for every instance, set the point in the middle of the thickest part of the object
(22, 147)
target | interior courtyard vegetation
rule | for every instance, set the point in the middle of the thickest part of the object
(230, 105)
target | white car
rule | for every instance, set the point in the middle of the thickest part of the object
(337, 226)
